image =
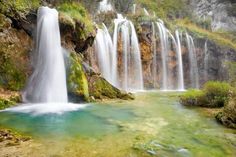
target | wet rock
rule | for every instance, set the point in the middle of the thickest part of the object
(219, 11)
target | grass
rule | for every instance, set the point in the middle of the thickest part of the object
(78, 13)
(221, 38)
(164, 9)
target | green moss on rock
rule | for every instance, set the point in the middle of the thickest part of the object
(77, 80)
(228, 116)
(99, 88)
(76, 14)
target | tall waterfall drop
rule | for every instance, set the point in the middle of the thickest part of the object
(163, 33)
(104, 48)
(131, 77)
(47, 84)
(180, 62)
(194, 76)
(120, 60)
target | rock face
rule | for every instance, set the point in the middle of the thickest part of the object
(221, 13)
(212, 59)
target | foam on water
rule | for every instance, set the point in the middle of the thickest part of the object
(45, 108)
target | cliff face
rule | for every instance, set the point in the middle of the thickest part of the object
(221, 12)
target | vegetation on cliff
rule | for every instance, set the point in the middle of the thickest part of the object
(77, 80)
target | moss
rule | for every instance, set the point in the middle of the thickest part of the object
(214, 94)
(228, 116)
(217, 93)
(8, 102)
(165, 9)
(223, 39)
(18, 6)
(77, 80)
(99, 88)
(193, 97)
(79, 15)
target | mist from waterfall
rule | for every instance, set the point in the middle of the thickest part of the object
(47, 84)
(194, 76)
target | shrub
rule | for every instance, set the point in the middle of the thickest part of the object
(217, 93)
(228, 116)
(193, 97)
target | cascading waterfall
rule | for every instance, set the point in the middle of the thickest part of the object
(194, 76)
(132, 78)
(206, 57)
(48, 80)
(104, 49)
(163, 34)
(105, 6)
(180, 62)
(128, 75)
(46, 90)
(154, 48)
(146, 12)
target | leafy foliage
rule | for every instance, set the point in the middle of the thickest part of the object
(213, 94)
(194, 97)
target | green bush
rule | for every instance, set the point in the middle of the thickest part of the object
(217, 93)
(193, 97)
(213, 94)
(228, 116)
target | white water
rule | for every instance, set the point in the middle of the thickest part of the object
(48, 80)
(105, 6)
(146, 12)
(46, 90)
(127, 75)
(163, 34)
(206, 58)
(104, 48)
(45, 108)
(154, 49)
(194, 76)
(180, 62)
(131, 77)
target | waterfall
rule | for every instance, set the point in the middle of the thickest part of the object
(104, 48)
(163, 34)
(146, 12)
(180, 62)
(105, 6)
(48, 80)
(134, 8)
(206, 57)
(128, 75)
(154, 48)
(194, 76)
(132, 78)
